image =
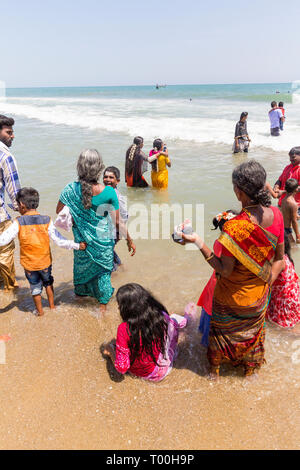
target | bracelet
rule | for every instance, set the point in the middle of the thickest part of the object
(210, 257)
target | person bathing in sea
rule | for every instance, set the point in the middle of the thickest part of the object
(241, 137)
(34, 232)
(111, 177)
(281, 107)
(289, 209)
(159, 174)
(290, 171)
(206, 298)
(276, 118)
(136, 164)
(146, 343)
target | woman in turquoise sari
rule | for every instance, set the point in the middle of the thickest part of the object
(95, 212)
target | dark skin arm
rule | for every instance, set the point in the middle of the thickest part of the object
(59, 207)
(121, 228)
(294, 217)
(224, 264)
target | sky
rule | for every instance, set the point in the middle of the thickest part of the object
(130, 42)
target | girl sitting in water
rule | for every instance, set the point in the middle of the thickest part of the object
(159, 174)
(284, 305)
(206, 298)
(147, 339)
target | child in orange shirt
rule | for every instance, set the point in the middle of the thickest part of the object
(34, 232)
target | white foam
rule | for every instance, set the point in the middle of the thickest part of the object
(201, 122)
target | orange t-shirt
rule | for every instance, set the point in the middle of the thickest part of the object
(35, 253)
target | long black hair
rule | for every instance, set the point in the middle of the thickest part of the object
(144, 316)
(132, 163)
(157, 146)
(250, 177)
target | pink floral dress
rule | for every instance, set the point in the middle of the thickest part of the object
(284, 306)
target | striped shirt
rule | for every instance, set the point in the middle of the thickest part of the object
(9, 181)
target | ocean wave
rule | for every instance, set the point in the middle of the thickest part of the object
(150, 122)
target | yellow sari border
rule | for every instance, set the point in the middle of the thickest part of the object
(263, 272)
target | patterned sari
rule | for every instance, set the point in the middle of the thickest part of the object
(240, 301)
(93, 266)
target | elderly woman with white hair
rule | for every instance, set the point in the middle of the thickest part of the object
(95, 210)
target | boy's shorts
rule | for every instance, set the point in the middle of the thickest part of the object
(38, 279)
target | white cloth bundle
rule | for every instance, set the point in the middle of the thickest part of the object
(64, 219)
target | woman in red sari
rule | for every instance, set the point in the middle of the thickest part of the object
(252, 247)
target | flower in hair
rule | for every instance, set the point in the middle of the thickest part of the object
(225, 216)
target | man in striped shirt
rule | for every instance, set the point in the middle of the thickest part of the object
(9, 183)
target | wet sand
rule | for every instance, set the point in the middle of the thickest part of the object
(59, 393)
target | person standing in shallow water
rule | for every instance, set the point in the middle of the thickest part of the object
(159, 174)
(241, 137)
(94, 209)
(9, 183)
(276, 119)
(252, 248)
(136, 164)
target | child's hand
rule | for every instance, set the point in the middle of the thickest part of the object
(82, 246)
(131, 247)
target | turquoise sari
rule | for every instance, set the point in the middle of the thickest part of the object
(93, 266)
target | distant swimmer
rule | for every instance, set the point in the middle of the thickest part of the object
(276, 117)
(280, 106)
(241, 137)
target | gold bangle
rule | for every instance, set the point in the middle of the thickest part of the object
(210, 257)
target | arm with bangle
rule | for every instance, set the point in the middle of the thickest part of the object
(223, 265)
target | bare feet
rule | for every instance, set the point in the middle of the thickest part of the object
(214, 373)
(102, 308)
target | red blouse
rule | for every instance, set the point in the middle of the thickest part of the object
(142, 366)
(277, 229)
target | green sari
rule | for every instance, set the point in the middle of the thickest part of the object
(93, 266)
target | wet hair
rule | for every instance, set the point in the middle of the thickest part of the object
(287, 247)
(114, 170)
(219, 223)
(132, 154)
(294, 151)
(291, 185)
(280, 104)
(273, 104)
(6, 121)
(157, 146)
(144, 316)
(29, 197)
(244, 114)
(250, 177)
(89, 168)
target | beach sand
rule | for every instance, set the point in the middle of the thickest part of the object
(59, 393)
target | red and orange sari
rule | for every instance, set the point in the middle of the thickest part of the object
(240, 301)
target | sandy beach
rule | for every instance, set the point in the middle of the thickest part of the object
(59, 393)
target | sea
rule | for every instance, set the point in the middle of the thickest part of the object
(197, 123)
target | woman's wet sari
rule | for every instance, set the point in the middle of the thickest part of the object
(240, 301)
(93, 266)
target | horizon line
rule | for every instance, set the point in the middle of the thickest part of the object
(151, 85)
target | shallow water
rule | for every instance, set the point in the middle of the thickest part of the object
(62, 393)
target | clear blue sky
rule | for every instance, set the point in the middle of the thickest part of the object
(130, 42)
